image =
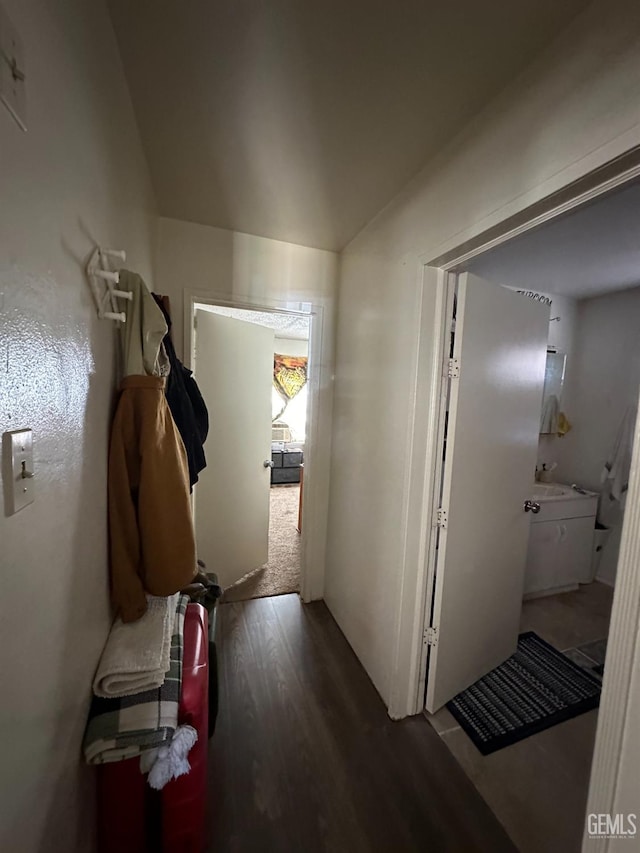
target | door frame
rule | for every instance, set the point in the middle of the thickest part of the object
(311, 570)
(414, 605)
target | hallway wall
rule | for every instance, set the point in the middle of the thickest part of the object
(573, 109)
(215, 262)
(77, 177)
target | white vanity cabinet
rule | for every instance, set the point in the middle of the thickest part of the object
(560, 543)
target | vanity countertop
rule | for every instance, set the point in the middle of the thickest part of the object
(559, 501)
(559, 492)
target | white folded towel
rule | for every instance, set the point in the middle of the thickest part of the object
(136, 656)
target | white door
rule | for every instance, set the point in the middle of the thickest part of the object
(491, 448)
(234, 369)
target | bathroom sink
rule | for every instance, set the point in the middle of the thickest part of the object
(558, 491)
(544, 490)
(558, 501)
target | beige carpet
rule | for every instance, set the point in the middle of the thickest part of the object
(281, 574)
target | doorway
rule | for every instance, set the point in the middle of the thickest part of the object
(254, 367)
(588, 262)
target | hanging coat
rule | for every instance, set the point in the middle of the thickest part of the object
(187, 406)
(150, 521)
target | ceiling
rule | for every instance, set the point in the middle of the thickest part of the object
(300, 120)
(289, 326)
(592, 251)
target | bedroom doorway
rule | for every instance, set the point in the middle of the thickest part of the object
(253, 368)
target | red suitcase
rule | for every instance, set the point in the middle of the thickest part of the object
(133, 818)
(184, 799)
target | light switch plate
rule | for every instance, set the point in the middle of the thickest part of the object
(17, 469)
(12, 73)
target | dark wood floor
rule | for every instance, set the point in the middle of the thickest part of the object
(306, 759)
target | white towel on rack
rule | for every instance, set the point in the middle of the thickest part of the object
(136, 656)
(616, 469)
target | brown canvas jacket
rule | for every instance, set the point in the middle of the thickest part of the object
(152, 543)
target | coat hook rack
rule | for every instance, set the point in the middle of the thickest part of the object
(103, 283)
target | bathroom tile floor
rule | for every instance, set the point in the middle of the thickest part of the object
(571, 619)
(578, 656)
(537, 788)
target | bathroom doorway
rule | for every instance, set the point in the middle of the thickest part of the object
(583, 268)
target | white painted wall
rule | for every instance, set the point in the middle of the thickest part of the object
(291, 346)
(77, 176)
(256, 270)
(562, 331)
(603, 381)
(573, 109)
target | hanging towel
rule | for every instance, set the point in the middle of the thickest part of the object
(150, 522)
(615, 473)
(137, 654)
(127, 726)
(549, 419)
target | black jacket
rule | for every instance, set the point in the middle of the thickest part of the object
(187, 406)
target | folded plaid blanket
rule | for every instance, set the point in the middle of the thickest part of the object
(127, 726)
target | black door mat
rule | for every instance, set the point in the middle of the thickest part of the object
(533, 690)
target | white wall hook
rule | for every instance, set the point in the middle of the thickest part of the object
(102, 281)
(108, 276)
(123, 294)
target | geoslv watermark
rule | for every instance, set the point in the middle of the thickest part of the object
(612, 826)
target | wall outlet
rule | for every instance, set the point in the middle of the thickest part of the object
(12, 73)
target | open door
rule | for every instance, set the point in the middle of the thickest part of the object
(491, 448)
(234, 369)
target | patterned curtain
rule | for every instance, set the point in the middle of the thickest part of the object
(289, 376)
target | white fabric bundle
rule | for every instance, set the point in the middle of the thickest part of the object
(136, 656)
(169, 761)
